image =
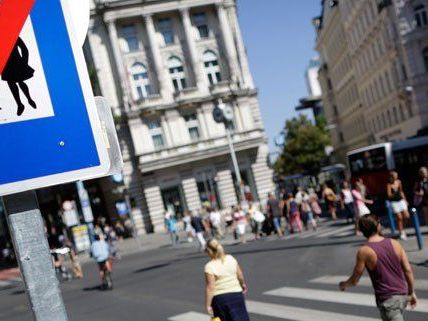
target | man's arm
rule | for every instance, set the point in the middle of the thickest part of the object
(408, 273)
(360, 265)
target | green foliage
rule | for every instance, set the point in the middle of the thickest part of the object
(304, 147)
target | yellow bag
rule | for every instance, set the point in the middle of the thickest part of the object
(215, 319)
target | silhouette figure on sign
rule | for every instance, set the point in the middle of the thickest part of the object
(16, 72)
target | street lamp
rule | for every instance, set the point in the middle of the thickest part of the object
(223, 114)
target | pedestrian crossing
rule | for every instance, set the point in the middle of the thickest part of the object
(364, 281)
(326, 230)
(307, 296)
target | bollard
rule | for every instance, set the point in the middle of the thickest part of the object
(415, 218)
(390, 217)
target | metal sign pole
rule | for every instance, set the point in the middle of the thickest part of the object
(34, 258)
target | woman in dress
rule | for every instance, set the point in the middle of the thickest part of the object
(294, 214)
(330, 199)
(224, 285)
(241, 223)
(16, 72)
(360, 202)
(398, 202)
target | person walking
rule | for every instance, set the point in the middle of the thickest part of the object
(190, 232)
(171, 227)
(241, 223)
(273, 208)
(216, 223)
(302, 199)
(314, 203)
(224, 285)
(347, 202)
(293, 214)
(199, 228)
(389, 269)
(421, 192)
(330, 199)
(257, 219)
(361, 208)
(398, 202)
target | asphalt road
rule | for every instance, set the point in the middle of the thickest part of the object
(290, 279)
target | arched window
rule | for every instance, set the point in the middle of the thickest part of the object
(212, 67)
(420, 15)
(425, 57)
(141, 81)
(178, 76)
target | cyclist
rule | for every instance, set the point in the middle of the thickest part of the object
(100, 251)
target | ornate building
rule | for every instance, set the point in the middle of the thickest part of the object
(373, 71)
(163, 66)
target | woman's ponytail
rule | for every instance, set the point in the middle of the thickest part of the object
(215, 249)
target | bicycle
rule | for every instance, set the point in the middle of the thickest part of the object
(107, 280)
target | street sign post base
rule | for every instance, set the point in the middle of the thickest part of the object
(34, 258)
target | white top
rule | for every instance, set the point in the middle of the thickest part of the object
(215, 218)
(347, 196)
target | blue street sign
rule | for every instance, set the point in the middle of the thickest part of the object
(49, 127)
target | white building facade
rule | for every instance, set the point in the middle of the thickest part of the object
(163, 66)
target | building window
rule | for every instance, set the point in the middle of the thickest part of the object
(129, 33)
(212, 67)
(341, 137)
(156, 133)
(425, 56)
(140, 80)
(192, 124)
(178, 76)
(165, 27)
(403, 116)
(420, 16)
(335, 111)
(200, 21)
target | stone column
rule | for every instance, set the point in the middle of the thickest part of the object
(242, 52)
(166, 132)
(155, 206)
(114, 41)
(263, 175)
(165, 86)
(200, 80)
(191, 193)
(229, 45)
(226, 188)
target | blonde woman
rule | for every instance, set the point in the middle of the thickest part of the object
(225, 285)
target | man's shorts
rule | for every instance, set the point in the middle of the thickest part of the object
(399, 206)
(393, 308)
(277, 223)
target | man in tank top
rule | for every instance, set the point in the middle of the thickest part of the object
(389, 269)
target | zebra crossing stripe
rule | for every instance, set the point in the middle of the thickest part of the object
(4, 284)
(420, 284)
(190, 316)
(279, 311)
(336, 231)
(335, 297)
(298, 314)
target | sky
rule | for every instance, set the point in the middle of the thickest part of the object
(280, 41)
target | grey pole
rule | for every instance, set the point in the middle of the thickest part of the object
(234, 161)
(34, 258)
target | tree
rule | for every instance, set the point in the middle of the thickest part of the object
(304, 146)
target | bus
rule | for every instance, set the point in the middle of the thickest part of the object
(373, 164)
